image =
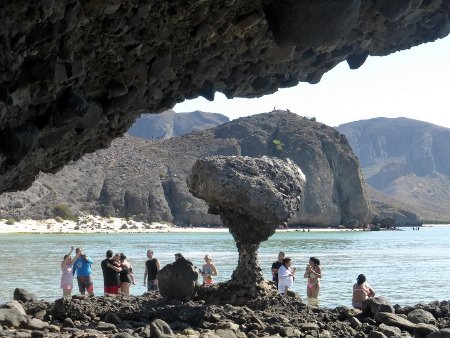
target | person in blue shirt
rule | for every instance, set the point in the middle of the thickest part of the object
(82, 267)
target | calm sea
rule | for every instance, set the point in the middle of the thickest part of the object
(407, 267)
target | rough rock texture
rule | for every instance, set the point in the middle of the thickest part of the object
(374, 305)
(74, 75)
(252, 196)
(178, 280)
(170, 124)
(147, 180)
(222, 310)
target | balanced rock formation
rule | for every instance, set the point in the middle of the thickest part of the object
(178, 280)
(147, 180)
(74, 75)
(252, 196)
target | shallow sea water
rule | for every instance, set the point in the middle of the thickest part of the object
(407, 267)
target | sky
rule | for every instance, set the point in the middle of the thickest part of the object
(414, 83)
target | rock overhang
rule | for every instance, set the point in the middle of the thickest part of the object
(74, 75)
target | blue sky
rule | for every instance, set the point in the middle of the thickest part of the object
(414, 83)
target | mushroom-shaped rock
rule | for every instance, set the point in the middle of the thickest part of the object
(252, 196)
(178, 280)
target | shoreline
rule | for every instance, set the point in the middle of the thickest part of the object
(95, 224)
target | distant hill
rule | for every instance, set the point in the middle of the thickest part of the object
(171, 124)
(405, 159)
(146, 179)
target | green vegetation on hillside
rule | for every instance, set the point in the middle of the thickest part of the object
(63, 211)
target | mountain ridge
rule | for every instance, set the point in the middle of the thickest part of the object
(406, 159)
(146, 179)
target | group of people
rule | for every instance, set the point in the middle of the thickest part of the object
(283, 274)
(118, 275)
(118, 272)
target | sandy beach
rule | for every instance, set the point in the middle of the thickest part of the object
(97, 224)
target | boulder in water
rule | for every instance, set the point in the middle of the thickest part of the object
(178, 280)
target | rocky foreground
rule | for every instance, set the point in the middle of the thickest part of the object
(224, 310)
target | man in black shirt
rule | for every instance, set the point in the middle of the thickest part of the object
(111, 281)
(275, 266)
(152, 267)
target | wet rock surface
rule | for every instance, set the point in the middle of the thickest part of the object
(252, 196)
(215, 312)
(75, 75)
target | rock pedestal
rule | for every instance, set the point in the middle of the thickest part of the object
(252, 196)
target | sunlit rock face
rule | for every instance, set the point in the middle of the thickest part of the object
(74, 75)
(252, 196)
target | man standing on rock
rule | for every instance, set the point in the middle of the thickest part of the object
(82, 267)
(111, 281)
(275, 266)
(152, 267)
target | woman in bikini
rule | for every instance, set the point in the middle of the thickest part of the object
(313, 272)
(361, 291)
(208, 271)
(126, 275)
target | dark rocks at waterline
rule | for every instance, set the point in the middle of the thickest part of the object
(178, 280)
(253, 196)
(266, 314)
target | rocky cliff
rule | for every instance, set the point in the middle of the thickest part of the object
(76, 74)
(147, 179)
(169, 124)
(406, 159)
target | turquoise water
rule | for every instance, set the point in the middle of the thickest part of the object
(407, 267)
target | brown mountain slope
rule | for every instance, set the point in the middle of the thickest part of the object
(406, 159)
(147, 179)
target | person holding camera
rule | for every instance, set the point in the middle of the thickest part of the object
(82, 267)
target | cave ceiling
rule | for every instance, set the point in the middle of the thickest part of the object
(76, 74)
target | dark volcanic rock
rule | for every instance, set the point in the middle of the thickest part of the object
(178, 280)
(374, 305)
(147, 180)
(24, 296)
(224, 310)
(75, 75)
(252, 196)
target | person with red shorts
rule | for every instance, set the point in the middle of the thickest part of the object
(82, 267)
(111, 282)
